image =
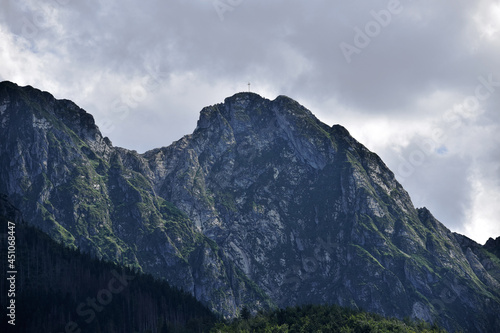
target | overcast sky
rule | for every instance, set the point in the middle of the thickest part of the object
(417, 82)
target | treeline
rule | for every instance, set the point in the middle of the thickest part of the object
(321, 318)
(62, 290)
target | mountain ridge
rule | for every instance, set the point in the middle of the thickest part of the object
(261, 205)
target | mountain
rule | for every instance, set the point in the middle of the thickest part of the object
(262, 206)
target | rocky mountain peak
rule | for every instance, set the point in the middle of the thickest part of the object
(258, 125)
(493, 246)
(46, 112)
(251, 108)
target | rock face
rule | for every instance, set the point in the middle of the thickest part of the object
(262, 205)
(493, 246)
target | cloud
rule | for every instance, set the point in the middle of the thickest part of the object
(145, 71)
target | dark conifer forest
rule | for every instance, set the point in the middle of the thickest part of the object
(323, 318)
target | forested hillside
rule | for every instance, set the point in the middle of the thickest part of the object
(322, 318)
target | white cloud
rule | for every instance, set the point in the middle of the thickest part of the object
(487, 20)
(482, 220)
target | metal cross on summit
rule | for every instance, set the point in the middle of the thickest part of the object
(248, 86)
